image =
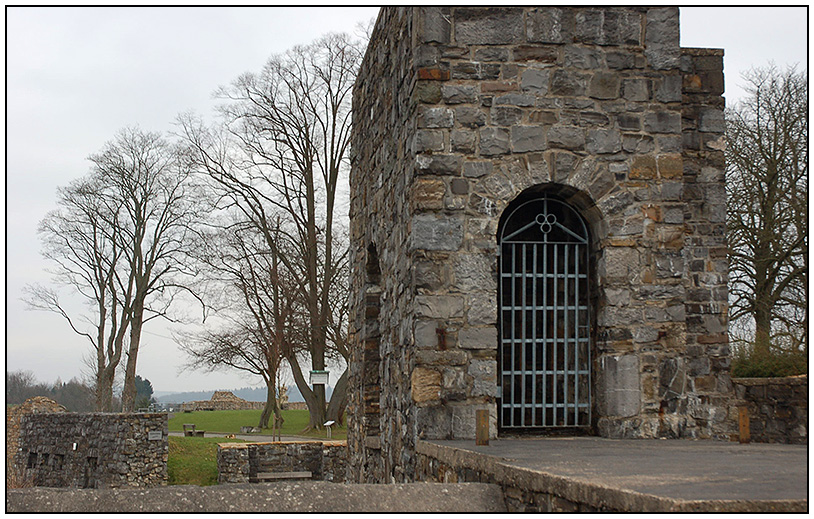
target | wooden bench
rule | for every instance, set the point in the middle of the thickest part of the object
(189, 430)
(279, 476)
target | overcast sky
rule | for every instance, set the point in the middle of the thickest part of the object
(74, 76)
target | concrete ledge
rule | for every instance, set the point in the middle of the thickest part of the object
(306, 496)
(588, 493)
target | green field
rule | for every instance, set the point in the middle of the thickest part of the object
(231, 421)
(193, 461)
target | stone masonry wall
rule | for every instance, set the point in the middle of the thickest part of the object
(778, 408)
(94, 450)
(241, 462)
(385, 103)
(14, 417)
(458, 113)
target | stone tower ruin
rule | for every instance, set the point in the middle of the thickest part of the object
(537, 230)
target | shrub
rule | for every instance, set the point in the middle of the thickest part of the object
(748, 363)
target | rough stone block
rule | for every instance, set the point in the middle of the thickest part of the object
(566, 137)
(492, 54)
(516, 99)
(670, 166)
(462, 141)
(601, 141)
(638, 143)
(470, 116)
(604, 85)
(439, 164)
(535, 80)
(434, 422)
(506, 115)
(435, 117)
(484, 375)
(482, 308)
(425, 384)
(428, 92)
(528, 138)
(568, 83)
(439, 307)
(636, 89)
(494, 141)
(662, 122)
(426, 334)
(619, 385)
(661, 45)
(456, 94)
(669, 89)
(629, 122)
(472, 338)
(477, 169)
(431, 232)
(549, 25)
(712, 121)
(586, 58)
(429, 140)
(428, 193)
(488, 26)
(435, 27)
(534, 53)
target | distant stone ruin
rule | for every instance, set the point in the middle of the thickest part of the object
(537, 230)
(48, 446)
(222, 401)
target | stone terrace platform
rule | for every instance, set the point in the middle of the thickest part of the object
(570, 474)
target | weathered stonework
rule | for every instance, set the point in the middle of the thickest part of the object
(778, 408)
(14, 417)
(461, 111)
(241, 462)
(94, 450)
(222, 401)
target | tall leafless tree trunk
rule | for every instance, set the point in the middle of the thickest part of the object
(282, 151)
(80, 241)
(767, 218)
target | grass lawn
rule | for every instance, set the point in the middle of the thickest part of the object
(231, 421)
(194, 461)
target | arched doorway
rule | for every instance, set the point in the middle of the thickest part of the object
(544, 357)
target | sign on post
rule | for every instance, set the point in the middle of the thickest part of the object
(319, 377)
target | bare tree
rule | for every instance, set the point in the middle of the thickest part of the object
(261, 324)
(767, 217)
(119, 240)
(283, 149)
(82, 241)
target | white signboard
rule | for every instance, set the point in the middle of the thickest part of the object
(319, 377)
(154, 435)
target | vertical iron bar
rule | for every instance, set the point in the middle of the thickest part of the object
(577, 334)
(514, 332)
(554, 329)
(545, 330)
(565, 339)
(534, 334)
(588, 361)
(523, 343)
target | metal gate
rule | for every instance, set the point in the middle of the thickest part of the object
(544, 358)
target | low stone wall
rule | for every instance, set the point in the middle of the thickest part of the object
(778, 408)
(241, 462)
(93, 450)
(523, 491)
(14, 416)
